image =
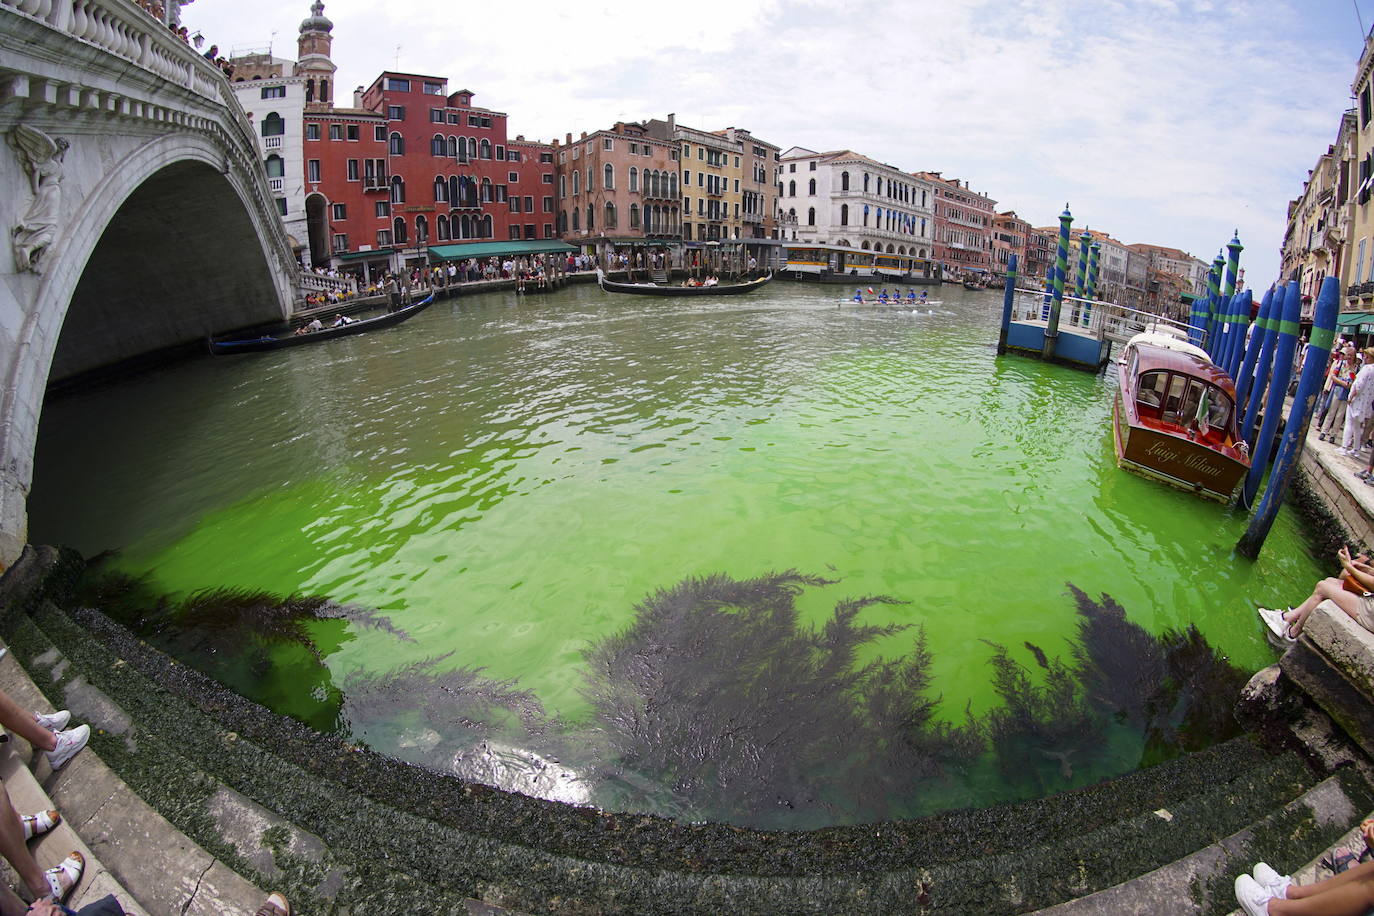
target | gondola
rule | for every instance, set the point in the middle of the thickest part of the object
(653, 289)
(268, 342)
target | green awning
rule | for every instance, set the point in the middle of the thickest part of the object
(489, 249)
(1353, 319)
(359, 255)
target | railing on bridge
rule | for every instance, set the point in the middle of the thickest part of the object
(1103, 320)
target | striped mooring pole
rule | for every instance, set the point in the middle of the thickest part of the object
(1061, 266)
(1304, 401)
(1094, 255)
(1282, 372)
(1264, 366)
(1247, 366)
(1008, 292)
(1080, 279)
(1214, 306)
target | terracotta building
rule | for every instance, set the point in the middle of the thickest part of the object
(1010, 236)
(617, 192)
(963, 225)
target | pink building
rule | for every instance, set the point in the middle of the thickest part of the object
(963, 225)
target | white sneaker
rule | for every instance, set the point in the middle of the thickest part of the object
(68, 743)
(1273, 619)
(1269, 879)
(1252, 896)
(53, 721)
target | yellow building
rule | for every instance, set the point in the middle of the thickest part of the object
(1315, 242)
(1357, 271)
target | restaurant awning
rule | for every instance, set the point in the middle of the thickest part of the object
(369, 253)
(490, 249)
(1353, 319)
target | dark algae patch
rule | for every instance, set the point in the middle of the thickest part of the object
(719, 703)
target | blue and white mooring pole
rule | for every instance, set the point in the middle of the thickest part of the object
(1008, 292)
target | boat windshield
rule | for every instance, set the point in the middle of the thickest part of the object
(1181, 400)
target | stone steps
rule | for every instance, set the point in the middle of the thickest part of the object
(341, 828)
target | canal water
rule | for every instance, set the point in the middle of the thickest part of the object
(764, 559)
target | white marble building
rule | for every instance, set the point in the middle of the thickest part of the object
(276, 107)
(847, 199)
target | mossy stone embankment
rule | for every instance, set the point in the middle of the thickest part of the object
(352, 830)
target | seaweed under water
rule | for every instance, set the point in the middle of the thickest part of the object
(718, 702)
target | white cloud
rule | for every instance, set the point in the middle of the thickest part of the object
(1168, 121)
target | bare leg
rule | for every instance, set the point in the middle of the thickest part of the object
(1326, 588)
(1351, 893)
(16, 851)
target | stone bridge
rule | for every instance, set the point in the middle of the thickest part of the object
(134, 204)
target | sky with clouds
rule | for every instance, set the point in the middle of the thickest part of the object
(1172, 122)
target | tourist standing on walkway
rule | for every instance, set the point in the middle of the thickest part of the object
(1359, 405)
(1340, 390)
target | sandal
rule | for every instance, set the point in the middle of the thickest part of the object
(40, 823)
(68, 869)
(276, 904)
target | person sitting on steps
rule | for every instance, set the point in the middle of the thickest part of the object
(1267, 893)
(1352, 593)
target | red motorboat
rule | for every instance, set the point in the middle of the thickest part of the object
(1175, 417)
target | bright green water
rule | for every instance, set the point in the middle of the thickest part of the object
(506, 478)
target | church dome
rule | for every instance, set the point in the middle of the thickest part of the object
(317, 21)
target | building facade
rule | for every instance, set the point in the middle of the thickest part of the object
(1010, 236)
(963, 225)
(617, 190)
(845, 198)
(1358, 153)
(274, 100)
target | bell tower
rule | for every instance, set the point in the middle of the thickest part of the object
(312, 58)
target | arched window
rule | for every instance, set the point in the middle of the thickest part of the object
(864, 246)
(455, 198)
(634, 214)
(889, 248)
(634, 179)
(792, 214)
(398, 231)
(811, 217)
(485, 148)
(452, 147)
(398, 190)
(608, 177)
(472, 147)
(791, 189)
(562, 185)
(441, 228)
(324, 90)
(562, 221)
(844, 181)
(486, 227)
(437, 146)
(865, 182)
(396, 146)
(844, 214)
(465, 227)
(276, 168)
(273, 125)
(651, 183)
(672, 184)
(591, 180)
(811, 188)
(576, 224)
(577, 182)
(421, 229)
(591, 218)
(610, 222)
(486, 190)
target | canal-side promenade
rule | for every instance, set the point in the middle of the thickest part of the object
(241, 801)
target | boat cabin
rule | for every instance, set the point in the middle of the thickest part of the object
(1181, 392)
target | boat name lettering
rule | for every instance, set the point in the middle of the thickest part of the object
(1161, 451)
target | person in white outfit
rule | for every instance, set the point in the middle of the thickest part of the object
(1359, 406)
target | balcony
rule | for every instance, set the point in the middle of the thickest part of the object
(276, 184)
(376, 182)
(271, 142)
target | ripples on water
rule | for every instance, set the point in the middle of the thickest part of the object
(506, 480)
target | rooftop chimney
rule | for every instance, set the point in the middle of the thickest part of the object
(358, 97)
